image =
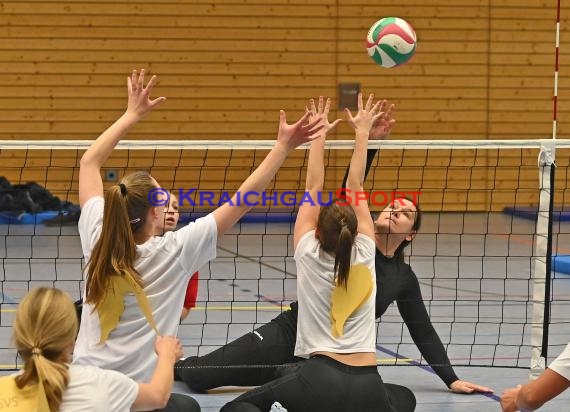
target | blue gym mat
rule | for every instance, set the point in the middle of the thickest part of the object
(561, 264)
(12, 218)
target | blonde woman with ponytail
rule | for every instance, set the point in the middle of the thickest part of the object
(44, 332)
(336, 289)
(135, 281)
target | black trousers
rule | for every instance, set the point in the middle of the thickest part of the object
(251, 360)
(321, 384)
(180, 403)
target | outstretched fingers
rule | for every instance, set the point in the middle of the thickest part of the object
(139, 101)
(140, 85)
(137, 81)
(312, 106)
(376, 108)
(377, 113)
(134, 80)
(333, 124)
(322, 112)
(349, 115)
(148, 89)
(327, 106)
(383, 104)
(369, 101)
(313, 126)
(304, 120)
(150, 84)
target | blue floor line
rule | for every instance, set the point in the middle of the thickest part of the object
(428, 369)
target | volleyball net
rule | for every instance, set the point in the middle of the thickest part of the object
(486, 276)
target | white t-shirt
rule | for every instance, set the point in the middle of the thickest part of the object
(90, 389)
(315, 285)
(561, 365)
(165, 264)
(93, 389)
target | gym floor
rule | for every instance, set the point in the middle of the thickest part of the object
(479, 280)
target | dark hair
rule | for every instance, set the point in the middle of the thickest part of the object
(114, 254)
(399, 254)
(337, 228)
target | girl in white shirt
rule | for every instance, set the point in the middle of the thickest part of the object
(135, 281)
(44, 332)
(336, 289)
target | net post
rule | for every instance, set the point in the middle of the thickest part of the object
(542, 270)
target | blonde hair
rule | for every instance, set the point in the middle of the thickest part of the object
(44, 329)
(114, 254)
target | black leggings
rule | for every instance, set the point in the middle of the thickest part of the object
(180, 403)
(321, 384)
(251, 360)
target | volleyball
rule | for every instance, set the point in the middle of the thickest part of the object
(391, 42)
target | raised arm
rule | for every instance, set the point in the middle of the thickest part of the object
(362, 124)
(308, 214)
(139, 104)
(381, 129)
(288, 138)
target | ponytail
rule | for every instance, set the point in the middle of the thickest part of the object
(342, 256)
(52, 378)
(44, 331)
(337, 228)
(114, 254)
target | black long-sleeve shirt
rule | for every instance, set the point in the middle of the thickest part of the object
(397, 282)
(274, 342)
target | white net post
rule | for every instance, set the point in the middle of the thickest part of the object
(542, 260)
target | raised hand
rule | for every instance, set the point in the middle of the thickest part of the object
(321, 113)
(139, 102)
(366, 115)
(383, 125)
(302, 131)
